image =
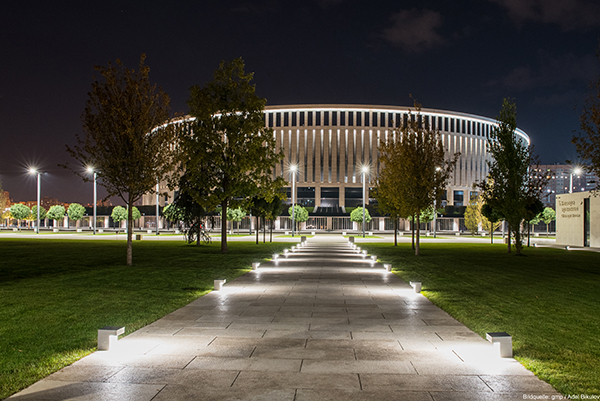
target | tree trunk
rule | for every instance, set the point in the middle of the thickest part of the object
(264, 230)
(508, 236)
(491, 232)
(129, 232)
(271, 231)
(224, 226)
(528, 234)
(518, 245)
(412, 229)
(418, 247)
(396, 231)
(257, 230)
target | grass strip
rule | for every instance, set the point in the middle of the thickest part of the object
(548, 300)
(55, 294)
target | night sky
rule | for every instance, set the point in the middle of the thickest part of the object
(461, 56)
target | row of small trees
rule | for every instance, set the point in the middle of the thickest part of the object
(74, 212)
(19, 212)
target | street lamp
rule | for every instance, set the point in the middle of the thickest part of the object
(365, 171)
(293, 169)
(437, 169)
(157, 200)
(91, 170)
(575, 171)
(33, 170)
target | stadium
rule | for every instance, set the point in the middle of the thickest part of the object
(329, 145)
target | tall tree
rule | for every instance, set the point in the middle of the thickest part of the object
(186, 210)
(510, 188)
(420, 165)
(548, 216)
(587, 142)
(127, 139)
(388, 186)
(3, 198)
(227, 147)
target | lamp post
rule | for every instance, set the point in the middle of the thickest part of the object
(91, 170)
(39, 188)
(157, 210)
(365, 170)
(575, 171)
(437, 169)
(293, 169)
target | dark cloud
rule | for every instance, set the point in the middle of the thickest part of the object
(414, 30)
(550, 71)
(569, 15)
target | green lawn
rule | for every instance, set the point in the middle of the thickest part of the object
(55, 294)
(548, 300)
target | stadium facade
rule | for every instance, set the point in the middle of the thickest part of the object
(330, 143)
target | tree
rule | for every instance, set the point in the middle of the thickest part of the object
(509, 187)
(43, 212)
(548, 216)
(75, 211)
(6, 215)
(235, 215)
(388, 186)
(272, 210)
(357, 215)
(55, 213)
(587, 142)
(490, 219)
(3, 198)
(533, 208)
(128, 140)
(227, 147)
(20, 212)
(300, 215)
(186, 210)
(119, 214)
(473, 215)
(419, 164)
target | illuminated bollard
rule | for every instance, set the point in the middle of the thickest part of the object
(255, 265)
(219, 284)
(416, 285)
(374, 258)
(502, 341)
(388, 267)
(275, 256)
(108, 336)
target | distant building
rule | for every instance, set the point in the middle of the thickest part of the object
(559, 180)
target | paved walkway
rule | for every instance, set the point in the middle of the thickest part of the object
(322, 324)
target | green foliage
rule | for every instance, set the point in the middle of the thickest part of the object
(20, 212)
(127, 139)
(136, 213)
(415, 170)
(587, 142)
(56, 212)
(43, 212)
(235, 214)
(357, 215)
(473, 215)
(509, 188)
(300, 213)
(119, 214)
(3, 198)
(548, 215)
(227, 147)
(75, 211)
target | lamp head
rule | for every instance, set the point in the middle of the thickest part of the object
(90, 169)
(293, 168)
(32, 170)
(365, 169)
(577, 171)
